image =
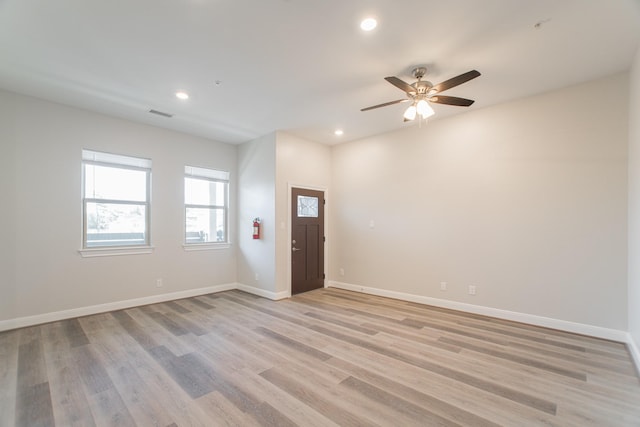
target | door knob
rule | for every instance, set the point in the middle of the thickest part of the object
(294, 249)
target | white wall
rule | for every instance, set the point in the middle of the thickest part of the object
(267, 167)
(525, 200)
(634, 206)
(40, 222)
(256, 198)
(300, 163)
(8, 210)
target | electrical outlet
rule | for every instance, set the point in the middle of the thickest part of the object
(472, 289)
(158, 283)
(342, 271)
(257, 277)
(443, 286)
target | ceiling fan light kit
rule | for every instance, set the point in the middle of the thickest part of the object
(424, 109)
(422, 93)
(410, 113)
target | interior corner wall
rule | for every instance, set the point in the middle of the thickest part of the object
(256, 198)
(300, 163)
(525, 200)
(41, 211)
(8, 210)
(634, 205)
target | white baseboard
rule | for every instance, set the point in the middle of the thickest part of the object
(263, 293)
(579, 328)
(563, 325)
(634, 350)
(22, 322)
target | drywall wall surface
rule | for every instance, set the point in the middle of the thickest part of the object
(8, 211)
(634, 201)
(300, 163)
(526, 201)
(44, 210)
(256, 199)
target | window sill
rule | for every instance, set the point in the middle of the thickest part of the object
(205, 246)
(96, 252)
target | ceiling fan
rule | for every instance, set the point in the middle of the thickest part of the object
(422, 92)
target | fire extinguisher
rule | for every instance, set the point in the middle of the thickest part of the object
(256, 228)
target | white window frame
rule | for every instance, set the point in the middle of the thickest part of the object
(90, 157)
(211, 175)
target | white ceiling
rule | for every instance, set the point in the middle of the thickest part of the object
(301, 66)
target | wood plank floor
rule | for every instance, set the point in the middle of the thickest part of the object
(324, 358)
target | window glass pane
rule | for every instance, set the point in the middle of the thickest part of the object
(206, 205)
(307, 206)
(218, 195)
(114, 224)
(204, 192)
(103, 182)
(204, 225)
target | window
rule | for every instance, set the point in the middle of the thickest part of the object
(308, 206)
(116, 197)
(205, 205)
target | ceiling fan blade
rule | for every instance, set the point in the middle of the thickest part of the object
(455, 81)
(397, 101)
(400, 84)
(451, 100)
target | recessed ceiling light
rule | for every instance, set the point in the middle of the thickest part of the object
(368, 24)
(339, 132)
(182, 95)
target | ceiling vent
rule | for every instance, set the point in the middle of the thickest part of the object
(160, 113)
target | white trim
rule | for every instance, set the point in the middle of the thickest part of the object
(547, 322)
(22, 322)
(263, 293)
(205, 246)
(120, 250)
(595, 331)
(207, 173)
(634, 350)
(110, 159)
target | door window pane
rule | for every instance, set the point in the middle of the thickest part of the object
(307, 206)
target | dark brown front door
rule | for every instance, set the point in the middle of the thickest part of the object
(307, 240)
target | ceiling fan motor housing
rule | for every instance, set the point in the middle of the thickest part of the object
(419, 72)
(422, 87)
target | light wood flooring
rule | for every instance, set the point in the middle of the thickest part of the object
(324, 358)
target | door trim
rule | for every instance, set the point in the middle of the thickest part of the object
(326, 231)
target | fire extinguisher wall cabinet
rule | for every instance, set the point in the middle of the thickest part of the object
(256, 228)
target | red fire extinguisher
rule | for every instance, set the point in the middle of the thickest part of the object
(256, 228)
